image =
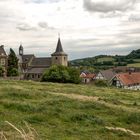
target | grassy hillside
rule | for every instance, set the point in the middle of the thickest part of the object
(69, 112)
(105, 61)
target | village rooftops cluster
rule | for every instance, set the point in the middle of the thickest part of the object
(121, 77)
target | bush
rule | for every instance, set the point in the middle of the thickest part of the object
(62, 74)
(12, 72)
(1, 71)
(101, 83)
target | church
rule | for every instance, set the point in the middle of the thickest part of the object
(32, 67)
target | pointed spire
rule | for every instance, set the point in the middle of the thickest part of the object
(20, 49)
(59, 46)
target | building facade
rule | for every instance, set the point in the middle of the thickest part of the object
(3, 60)
(129, 80)
(32, 67)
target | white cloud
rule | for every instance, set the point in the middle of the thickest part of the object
(112, 24)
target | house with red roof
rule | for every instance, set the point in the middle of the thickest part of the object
(130, 80)
(87, 77)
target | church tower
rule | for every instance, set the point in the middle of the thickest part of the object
(20, 50)
(59, 57)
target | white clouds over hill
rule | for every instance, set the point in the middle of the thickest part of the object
(87, 27)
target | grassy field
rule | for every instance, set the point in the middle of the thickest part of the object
(105, 59)
(69, 112)
(134, 65)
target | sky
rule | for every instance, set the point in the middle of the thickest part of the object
(87, 27)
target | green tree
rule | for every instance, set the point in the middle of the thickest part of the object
(1, 71)
(61, 74)
(12, 64)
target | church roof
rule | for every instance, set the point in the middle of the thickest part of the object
(59, 49)
(2, 51)
(36, 70)
(27, 58)
(41, 62)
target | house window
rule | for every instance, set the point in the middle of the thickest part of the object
(39, 76)
(64, 58)
(2, 61)
(33, 76)
(56, 58)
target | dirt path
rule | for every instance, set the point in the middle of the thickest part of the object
(96, 99)
(78, 97)
(127, 131)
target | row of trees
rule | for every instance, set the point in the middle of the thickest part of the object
(12, 66)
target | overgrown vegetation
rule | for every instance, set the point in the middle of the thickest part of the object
(62, 74)
(76, 116)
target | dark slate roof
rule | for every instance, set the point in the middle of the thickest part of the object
(59, 49)
(36, 70)
(108, 74)
(41, 62)
(27, 58)
(2, 51)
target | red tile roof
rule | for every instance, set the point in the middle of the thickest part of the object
(129, 78)
(87, 75)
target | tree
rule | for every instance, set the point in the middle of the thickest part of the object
(12, 64)
(1, 71)
(62, 74)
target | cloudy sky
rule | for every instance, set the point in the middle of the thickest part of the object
(87, 27)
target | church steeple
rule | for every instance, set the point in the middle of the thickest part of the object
(21, 50)
(59, 57)
(59, 46)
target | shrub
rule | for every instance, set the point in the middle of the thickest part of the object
(13, 72)
(101, 83)
(1, 71)
(62, 74)
(133, 118)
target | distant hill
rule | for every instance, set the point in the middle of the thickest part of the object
(135, 54)
(106, 61)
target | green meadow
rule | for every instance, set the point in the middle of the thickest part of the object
(68, 111)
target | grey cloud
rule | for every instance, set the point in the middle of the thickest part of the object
(25, 27)
(41, 1)
(43, 25)
(105, 7)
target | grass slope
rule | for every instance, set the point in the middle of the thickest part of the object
(69, 112)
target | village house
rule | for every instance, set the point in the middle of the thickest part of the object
(87, 77)
(127, 80)
(105, 75)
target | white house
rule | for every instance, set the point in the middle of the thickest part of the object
(127, 80)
